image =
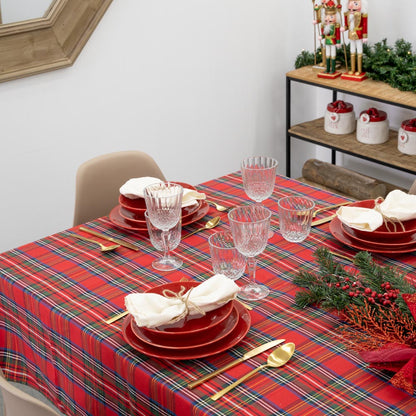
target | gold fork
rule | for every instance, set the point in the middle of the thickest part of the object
(319, 210)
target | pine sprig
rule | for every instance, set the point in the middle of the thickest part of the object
(336, 288)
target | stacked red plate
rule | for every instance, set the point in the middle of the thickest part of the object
(129, 214)
(192, 337)
(381, 240)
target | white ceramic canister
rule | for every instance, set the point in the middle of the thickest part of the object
(407, 137)
(339, 118)
(373, 127)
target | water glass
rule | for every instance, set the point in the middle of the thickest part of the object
(295, 217)
(225, 257)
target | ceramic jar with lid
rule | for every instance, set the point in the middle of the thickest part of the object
(373, 127)
(407, 137)
(339, 118)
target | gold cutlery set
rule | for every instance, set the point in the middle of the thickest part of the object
(279, 357)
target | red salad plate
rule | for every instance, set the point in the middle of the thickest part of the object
(191, 325)
(117, 219)
(335, 227)
(393, 243)
(382, 233)
(229, 341)
(180, 343)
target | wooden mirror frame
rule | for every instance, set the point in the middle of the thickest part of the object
(50, 42)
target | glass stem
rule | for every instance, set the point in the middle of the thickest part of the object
(165, 242)
(251, 267)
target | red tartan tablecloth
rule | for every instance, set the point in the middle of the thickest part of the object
(56, 292)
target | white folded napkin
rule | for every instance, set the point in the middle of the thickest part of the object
(366, 219)
(134, 188)
(152, 310)
(399, 205)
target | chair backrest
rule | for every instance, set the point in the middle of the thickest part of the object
(17, 403)
(99, 179)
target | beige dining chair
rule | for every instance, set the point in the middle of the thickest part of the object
(17, 403)
(98, 181)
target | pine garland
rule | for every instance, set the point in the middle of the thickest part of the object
(394, 65)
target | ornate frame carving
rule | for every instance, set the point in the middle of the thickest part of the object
(50, 42)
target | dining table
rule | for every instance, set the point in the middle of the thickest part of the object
(56, 294)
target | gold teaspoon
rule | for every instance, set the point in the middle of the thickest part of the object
(280, 356)
(213, 222)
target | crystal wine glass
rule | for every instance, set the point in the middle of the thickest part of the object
(259, 174)
(164, 209)
(250, 227)
(174, 238)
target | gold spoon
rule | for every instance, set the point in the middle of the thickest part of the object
(317, 211)
(218, 207)
(280, 356)
(102, 246)
(213, 222)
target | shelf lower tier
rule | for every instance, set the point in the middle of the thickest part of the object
(385, 153)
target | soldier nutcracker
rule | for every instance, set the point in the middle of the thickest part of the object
(319, 19)
(356, 22)
(330, 32)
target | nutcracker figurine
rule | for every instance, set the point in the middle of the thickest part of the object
(319, 18)
(330, 32)
(356, 22)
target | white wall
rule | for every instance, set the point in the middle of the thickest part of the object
(198, 84)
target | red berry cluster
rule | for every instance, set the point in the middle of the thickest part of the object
(356, 289)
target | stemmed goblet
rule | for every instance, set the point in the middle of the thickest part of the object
(259, 174)
(164, 210)
(250, 227)
(174, 238)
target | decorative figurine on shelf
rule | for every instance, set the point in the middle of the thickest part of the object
(318, 18)
(330, 32)
(356, 22)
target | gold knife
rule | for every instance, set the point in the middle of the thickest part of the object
(323, 220)
(245, 357)
(116, 317)
(106, 237)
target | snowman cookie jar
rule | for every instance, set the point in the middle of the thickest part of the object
(407, 137)
(339, 118)
(373, 127)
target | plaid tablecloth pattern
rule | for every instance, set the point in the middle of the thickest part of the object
(56, 292)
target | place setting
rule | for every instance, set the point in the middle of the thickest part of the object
(129, 214)
(385, 226)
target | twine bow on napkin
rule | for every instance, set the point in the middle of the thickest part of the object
(397, 207)
(152, 310)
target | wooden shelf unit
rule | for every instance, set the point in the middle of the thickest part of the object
(313, 131)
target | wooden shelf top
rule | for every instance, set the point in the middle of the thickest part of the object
(370, 88)
(386, 153)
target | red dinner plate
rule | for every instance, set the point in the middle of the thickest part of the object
(229, 341)
(192, 325)
(180, 343)
(117, 219)
(382, 233)
(335, 227)
(395, 243)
